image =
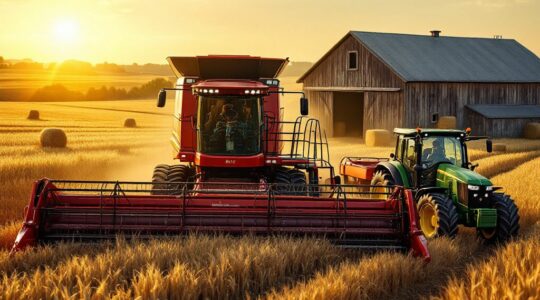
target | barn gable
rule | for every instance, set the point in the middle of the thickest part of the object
(403, 80)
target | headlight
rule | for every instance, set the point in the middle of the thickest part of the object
(489, 188)
(473, 187)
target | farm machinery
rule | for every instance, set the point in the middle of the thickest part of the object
(434, 164)
(242, 170)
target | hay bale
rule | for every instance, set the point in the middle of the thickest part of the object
(53, 137)
(340, 129)
(378, 138)
(531, 131)
(33, 115)
(447, 122)
(130, 123)
(499, 147)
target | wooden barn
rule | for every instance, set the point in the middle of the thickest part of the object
(384, 80)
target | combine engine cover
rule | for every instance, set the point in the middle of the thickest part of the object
(349, 216)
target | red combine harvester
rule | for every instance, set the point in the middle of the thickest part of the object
(245, 170)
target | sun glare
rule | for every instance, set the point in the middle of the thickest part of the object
(65, 31)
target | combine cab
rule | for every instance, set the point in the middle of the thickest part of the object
(243, 170)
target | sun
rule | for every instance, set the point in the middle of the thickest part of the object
(65, 31)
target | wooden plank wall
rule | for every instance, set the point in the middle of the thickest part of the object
(424, 99)
(320, 107)
(371, 71)
(383, 110)
(495, 128)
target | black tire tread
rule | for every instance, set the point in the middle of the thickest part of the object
(447, 214)
(507, 219)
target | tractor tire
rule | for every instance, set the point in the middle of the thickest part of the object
(167, 179)
(507, 221)
(382, 182)
(290, 182)
(438, 215)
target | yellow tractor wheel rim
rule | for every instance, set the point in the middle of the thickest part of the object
(382, 189)
(429, 221)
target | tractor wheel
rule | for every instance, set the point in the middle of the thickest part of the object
(381, 184)
(290, 182)
(166, 179)
(438, 215)
(507, 221)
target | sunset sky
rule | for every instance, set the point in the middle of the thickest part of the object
(125, 31)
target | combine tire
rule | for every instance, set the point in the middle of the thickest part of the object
(381, 184)
(507, 221)
(166, 178)
(438, 215)
(290, 182)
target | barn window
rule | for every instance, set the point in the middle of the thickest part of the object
(435, 118)
(352, 60)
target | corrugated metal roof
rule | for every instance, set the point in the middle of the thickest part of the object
(449, 59)
(453, 59)
(494, 111)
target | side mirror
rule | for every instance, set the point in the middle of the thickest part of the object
(489, 146)
(304, 106)
(162, 98)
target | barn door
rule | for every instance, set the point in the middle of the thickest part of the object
(348, 114)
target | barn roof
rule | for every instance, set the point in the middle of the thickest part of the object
(423, 58)
(496, 111)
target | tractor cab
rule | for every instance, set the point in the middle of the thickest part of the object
(426, 150)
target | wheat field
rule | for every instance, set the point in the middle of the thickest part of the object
(99, 147)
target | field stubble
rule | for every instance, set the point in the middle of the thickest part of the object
(225, 267)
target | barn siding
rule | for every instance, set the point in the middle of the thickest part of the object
(320, 107)
(422, 99)
(332, 71)
(383, 110)
(495, 128)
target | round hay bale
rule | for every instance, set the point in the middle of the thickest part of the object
(340, 129)
(53, 137)
(499, 147)
(378, 138)
(33, 115)
(447, 122)
(531, 131)
(130, 123)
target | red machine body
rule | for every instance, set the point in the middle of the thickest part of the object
(245, 170)
(231, 76)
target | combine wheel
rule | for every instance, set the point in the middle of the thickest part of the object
(507, 220)
(290, 182)
(381, 184)
(438, 215)
(166, 177)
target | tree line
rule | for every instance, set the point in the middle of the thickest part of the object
(58, 92)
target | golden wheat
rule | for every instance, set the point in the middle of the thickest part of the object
(227, 267)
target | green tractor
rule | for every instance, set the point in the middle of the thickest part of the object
(434, 164)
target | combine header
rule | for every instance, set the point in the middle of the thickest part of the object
(244, 170)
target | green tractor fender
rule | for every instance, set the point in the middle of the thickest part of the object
(396, 169)
(426, 190)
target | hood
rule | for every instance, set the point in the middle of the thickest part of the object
(463, 175)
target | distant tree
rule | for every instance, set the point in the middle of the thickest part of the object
(109, 68)
(76, 67)
(56, 92)
(149, 89)
(1, 59)
(25, 65)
